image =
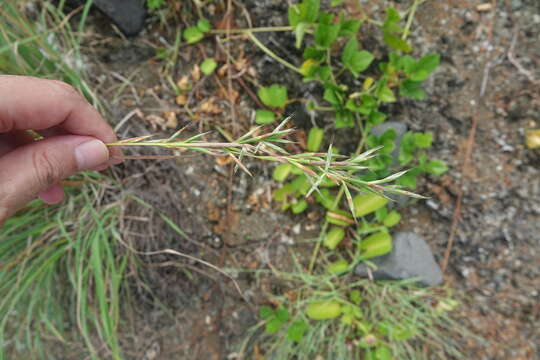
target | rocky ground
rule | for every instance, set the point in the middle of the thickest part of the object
(480, 102)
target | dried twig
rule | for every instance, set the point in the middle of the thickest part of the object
(512, 58)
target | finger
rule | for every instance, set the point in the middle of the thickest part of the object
(33, 168)
(28, 103)
(53, 195)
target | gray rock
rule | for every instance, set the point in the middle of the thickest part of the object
(128, 15)
(410, 257)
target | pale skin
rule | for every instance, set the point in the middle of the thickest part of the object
(75, 137)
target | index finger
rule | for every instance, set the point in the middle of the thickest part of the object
(28, 103)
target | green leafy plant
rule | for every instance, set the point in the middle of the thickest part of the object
(208, 66)
(154, 5)
(274, 96)
(195, 34)
(345, 318)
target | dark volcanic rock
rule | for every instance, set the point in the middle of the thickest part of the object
(410, 257)
(128, 15)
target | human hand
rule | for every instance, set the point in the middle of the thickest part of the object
(75, 136)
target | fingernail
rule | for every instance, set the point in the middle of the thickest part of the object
(91, 154)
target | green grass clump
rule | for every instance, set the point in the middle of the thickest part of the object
(61, 275)
(43, 44)
(60, 268)
(341, 317)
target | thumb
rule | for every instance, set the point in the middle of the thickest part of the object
(32, 168)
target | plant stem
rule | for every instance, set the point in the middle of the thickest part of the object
(410, 19)
(329, 62)
(272, 54)
(253, 30)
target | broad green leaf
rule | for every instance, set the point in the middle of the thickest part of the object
(326, 199)
(338, 267)
(419, 75)
(352, 105)
(282, 314)
(395, 42)
(334, 237)
(336, 2)
(348, 51)
(422, 68)
(375, 245)
(264, 117)
(273, 325)
(307, 11)
(386, 95)
(294, 15)
(312, 53)
(332, 96)
(314, 139)
(388, 135)
(412, 89)
(356, 297)
(301, 184)
(323, 310)
(208, 66)
(391, 22)
(408, 180)
(405, 157)
(407, 63)
(376, 117)
(192, 35)
(350, 27)
(204, 25)
(321, 73)
(436, 167)
(381, 213)
(282, 193)
(273, 96)
(365, 204)
(310, 10)
(344, 119)
(356, 61)
(266, 312)
(325, 35)
(326, 18)
(360, 61)
(296, 331)
(368, 104)
(392, 219)
(423, 140)
(282, 171)
(299, 207)
(429, 63)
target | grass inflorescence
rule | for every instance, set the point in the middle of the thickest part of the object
(318, 167)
